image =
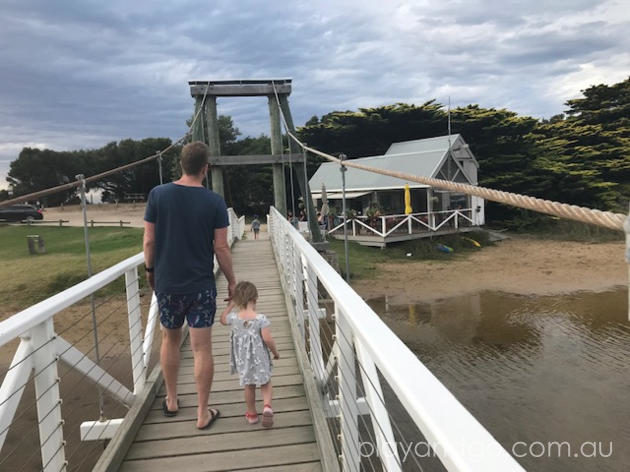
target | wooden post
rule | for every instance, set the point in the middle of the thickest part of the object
(279, 191)
(214, 143)
(198, 126)
(316, 234)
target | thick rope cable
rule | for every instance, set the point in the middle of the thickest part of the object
(71, 185)
(606, 219)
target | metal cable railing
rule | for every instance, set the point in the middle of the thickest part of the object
(358, 348)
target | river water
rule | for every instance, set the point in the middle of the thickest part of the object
(534, 370)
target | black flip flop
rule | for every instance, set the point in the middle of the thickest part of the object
(169, 413)
(213, 417)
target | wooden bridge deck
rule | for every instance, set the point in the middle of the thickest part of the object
(175, 444)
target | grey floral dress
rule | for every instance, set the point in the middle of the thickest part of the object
(249, 355)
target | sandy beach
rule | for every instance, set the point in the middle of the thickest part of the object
(132, 213)
(517, 265)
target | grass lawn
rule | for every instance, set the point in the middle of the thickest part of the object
(364, 260)
(26, 279)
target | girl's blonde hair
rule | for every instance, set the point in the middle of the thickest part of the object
(244, 293)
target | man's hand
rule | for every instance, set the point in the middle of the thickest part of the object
(151, 279)
(231, 287)
(276, 355)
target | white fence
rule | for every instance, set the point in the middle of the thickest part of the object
(387, 225)
(41, 349)
(347, 361)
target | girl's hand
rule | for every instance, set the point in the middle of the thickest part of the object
(276, 356)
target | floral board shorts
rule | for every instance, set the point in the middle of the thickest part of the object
(197, 308)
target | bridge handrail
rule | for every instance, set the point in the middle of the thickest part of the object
(34, 315)
(457, 436)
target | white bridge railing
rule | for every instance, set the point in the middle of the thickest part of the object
(348, 361)
(387, 225)
(42, 351)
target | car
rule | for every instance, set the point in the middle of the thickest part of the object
(20, 213)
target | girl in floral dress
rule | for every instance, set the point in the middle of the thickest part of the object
(250, 343)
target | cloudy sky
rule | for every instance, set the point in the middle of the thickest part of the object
(82, 73)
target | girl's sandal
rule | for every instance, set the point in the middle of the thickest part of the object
(252, 418)
(267, 420)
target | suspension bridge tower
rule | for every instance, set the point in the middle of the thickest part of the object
(206, 129)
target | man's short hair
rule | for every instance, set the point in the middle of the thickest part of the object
(194, 157)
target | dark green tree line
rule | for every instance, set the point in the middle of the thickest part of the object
(39, 169)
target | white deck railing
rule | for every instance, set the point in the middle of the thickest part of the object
(347, 362)
(388, 225)
(41, 349)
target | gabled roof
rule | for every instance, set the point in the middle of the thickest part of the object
(419, 157)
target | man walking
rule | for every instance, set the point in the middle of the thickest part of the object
(185, 226)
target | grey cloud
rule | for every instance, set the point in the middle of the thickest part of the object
(81, 74)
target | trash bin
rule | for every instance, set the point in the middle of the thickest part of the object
(35, 244)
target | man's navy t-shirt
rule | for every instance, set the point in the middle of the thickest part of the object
(185, 219)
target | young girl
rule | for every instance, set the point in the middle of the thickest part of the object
(250, 342)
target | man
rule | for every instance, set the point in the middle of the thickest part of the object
(185, 226)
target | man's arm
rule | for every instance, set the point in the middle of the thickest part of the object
(149, 251)
(224, 257)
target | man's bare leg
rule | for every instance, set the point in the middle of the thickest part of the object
(201, 345)
(169, 360)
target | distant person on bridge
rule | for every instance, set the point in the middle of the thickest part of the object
(185, 226)
(256, 226)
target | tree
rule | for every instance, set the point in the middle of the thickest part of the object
(139, 179)
(587, 155)
(248, 188)
(39, 169)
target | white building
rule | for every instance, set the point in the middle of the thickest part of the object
(377, 202)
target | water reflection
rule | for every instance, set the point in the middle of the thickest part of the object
(531, 368)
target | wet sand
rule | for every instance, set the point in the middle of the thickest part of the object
(518, 265)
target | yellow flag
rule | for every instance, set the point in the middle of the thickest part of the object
(408, 209)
